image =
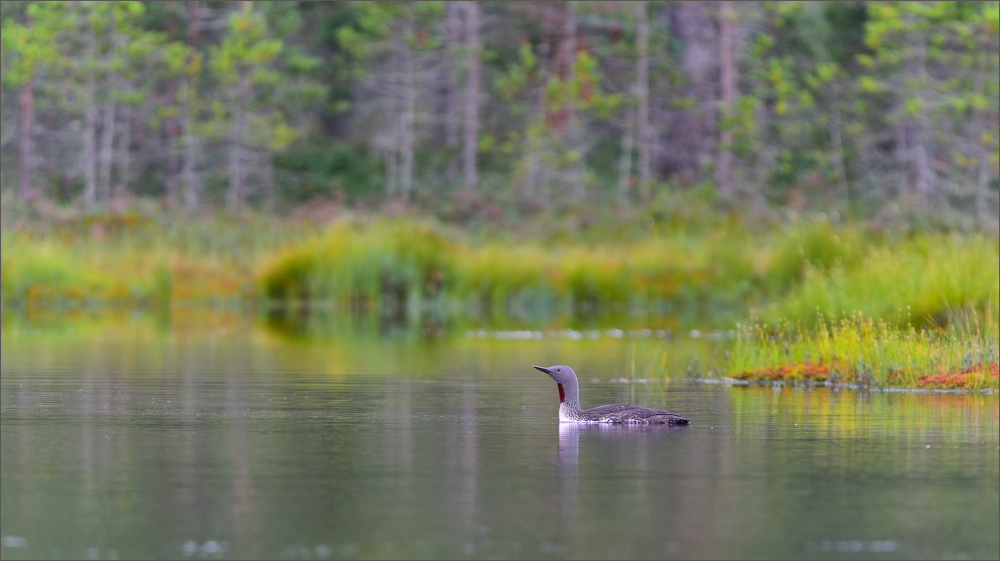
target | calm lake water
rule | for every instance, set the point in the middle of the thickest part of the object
(217, 436)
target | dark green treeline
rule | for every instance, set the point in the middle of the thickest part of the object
(485, 110)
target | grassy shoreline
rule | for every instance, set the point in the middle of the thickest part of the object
(831, 302)
(858, 350)
(782, 271)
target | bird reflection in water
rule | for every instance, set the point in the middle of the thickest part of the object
(603, 438)
(569, 437)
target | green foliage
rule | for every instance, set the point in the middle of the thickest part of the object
(920, 280)
(378, 22)
(815, 247)
(329, 171)
(857, 349)
(381, 263)
(28, 48)
(833, 100)
(733, 266)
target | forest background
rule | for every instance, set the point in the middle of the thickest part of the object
(494, 112)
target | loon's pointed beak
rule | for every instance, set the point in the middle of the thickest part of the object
(540, 369)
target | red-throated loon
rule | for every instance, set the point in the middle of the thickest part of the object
(570, 412)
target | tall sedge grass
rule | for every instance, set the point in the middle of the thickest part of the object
(922, 280)
(143, 262)
(362, 265)
(371, 263)
(795, 271)
(45, 269)
(803, 267)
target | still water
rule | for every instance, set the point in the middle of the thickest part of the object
(123, 437)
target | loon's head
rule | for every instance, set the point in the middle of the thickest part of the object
(562, 374)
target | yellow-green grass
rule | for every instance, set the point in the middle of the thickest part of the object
(370, 262)
(860, 350)
(143, 269)
(803, 267)
(922, 280)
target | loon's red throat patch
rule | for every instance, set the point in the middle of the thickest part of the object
(562, 394)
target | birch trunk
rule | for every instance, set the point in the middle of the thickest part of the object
(24, 138)
(391, 172)
(625, 161)
(471, 118)
(191, 187)
(642, 98)
(453, 37)
(693, 139)
(267, 178)
(727, 79)
(120, 187)
(106, 155)
(237, 151)
(90, 123)
(237, 161)
(837, 138)
(172, 128)
(188, 90)
(983, 185)
(576, 174)
(406, 137)
(920, 160)
(981, 127)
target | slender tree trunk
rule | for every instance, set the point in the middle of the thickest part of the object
(837, 139)
(24, 138)
(980, 127)
(237, 151)
(693, 139)
(191, 187)
(391, 171)
(26, 122)
(90, 123)
(453, 38)
(389, 142)
(920, 159)
(237, 159)
(106, 155)
(267, 177)
(406, 137)
(532, 164)
(924, 183)
(471, 120)
(172, 128)
(727, 79)
(642, 99)
(983, 184)
(576, 172)
(189, 91)
(120, 187)
(625, 161)
(763, 161)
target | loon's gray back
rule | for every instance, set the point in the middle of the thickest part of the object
(629, 413)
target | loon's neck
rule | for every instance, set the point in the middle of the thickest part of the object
(569, 400)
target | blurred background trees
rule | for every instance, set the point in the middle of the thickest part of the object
(493, 110)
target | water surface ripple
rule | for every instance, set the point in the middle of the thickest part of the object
(247, 444)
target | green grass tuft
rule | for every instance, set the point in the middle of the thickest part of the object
(858, 349)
